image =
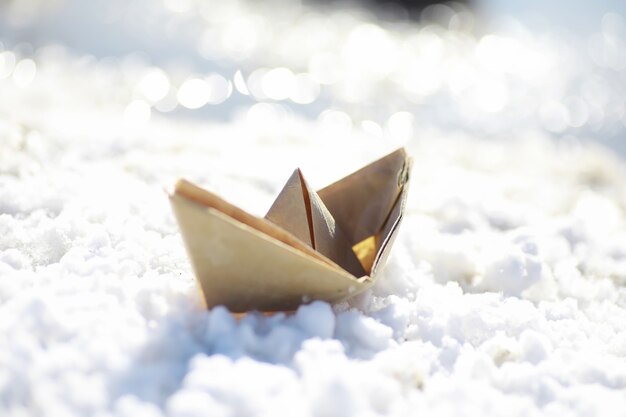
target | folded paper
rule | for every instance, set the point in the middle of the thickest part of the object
(326, 245)
(301, 211)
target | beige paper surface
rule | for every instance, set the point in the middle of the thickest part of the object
(362, 201)
(299, 210)
(310, 246)
(291, 210)
(201, 196)
(387, 235)
(243, 269)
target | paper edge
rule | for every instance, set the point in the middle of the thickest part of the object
(251, 229)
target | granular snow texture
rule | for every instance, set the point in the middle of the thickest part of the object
(504, 294)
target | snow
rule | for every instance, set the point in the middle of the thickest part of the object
(495, 300)
(504, 293)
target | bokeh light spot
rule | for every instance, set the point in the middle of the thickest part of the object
(278, 84)
(194, 93)
(219, 89)
(24, 72)
(154, 85)
(306, 89)
(7, 63)
(137, 112)
(240, 83)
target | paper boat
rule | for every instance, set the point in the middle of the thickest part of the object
(326, 245)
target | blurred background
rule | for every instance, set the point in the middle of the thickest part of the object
(489, 68)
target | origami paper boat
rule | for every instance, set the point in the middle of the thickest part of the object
(328, 245)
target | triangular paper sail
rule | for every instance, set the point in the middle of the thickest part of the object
(291, 209)
(250, 263)
(299, 210)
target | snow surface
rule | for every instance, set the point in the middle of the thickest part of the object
(504, 293)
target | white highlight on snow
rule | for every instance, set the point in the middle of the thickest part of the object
(179, 6)
(255, 83)
(155, 85)
(137, 111)
(7, 63)
(24, 72)
(400, 127)
(219, 88)
(240, 83)
(194, 93)
(306, 89)
(278, 83)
